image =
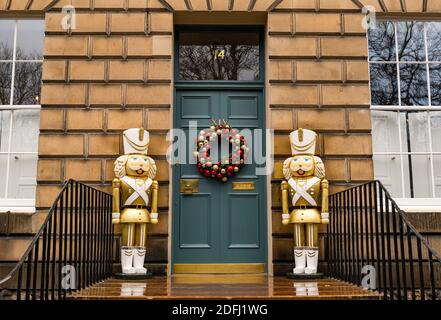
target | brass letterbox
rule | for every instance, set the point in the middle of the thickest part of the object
(189, 186)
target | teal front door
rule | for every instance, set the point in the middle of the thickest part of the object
(219, 224)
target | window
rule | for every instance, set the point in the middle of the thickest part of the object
(219, 55)
(405, 78)
(21, 55)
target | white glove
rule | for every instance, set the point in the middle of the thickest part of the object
(285, 216)
(154, 215)
(325, 215)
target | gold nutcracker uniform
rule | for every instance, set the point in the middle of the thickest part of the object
(134, 217)
(303, 211)
(305, 192)
(134, 191)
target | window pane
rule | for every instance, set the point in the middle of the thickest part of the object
(388, 170)
(6, 39)
(3, 165)
(437, 173)
(385, 135)
(435, 122)
(25, 130)
(414, 131)
(411, 41)
(5, 118)
(384, 87)
(5, 83)
(434, 41)
(382, 42)
(413, 79)
(27, 84)
(30, 34)
(218, 56)
(422, 177)
(22, 176)
(435, 83)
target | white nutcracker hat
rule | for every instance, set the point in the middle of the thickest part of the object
(303, 141)
(136, 140)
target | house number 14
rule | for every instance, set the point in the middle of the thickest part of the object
(219, 54)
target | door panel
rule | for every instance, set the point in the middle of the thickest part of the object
(219, 224)
(242, 107)
(243, 220)
(197, 106)
(194, 226)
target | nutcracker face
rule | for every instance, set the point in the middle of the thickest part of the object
(137, 165)
(302, 166)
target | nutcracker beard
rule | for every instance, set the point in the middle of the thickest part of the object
(133, 248)
(305, 248)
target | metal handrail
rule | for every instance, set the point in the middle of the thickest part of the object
(79, 220)
(367, 228)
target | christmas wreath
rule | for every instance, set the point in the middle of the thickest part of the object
(227, 165)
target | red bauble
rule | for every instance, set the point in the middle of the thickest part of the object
(201, 170)
(230, 169)
(207, 173)
(199, 165)
(229, 174)
(219, 176)
(213, 172)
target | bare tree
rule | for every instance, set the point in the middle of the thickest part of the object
(27, 80)
(219, 62)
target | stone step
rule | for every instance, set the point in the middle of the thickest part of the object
(157, 269)
(224, 287)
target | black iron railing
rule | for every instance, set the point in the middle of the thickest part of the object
(369, 237)
(72, 250)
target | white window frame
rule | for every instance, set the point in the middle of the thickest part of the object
(411, 204)
(10, 204)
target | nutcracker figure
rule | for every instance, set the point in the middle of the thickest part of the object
(134, 190)
(305, 193)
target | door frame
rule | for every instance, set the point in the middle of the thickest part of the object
(240, 85)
